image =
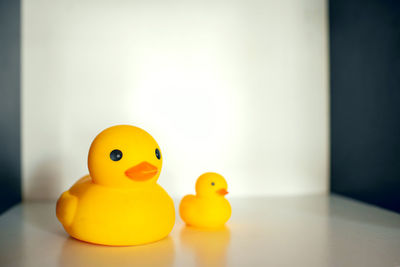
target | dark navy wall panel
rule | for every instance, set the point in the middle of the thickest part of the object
(10, 157)
(365, 100)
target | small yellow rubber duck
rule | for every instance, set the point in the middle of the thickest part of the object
(119, 203)
(208, 208)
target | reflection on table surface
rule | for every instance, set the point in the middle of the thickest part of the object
(78, 253)
(209, 246)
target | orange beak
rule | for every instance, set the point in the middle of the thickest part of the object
(141, 172)
(222, 192)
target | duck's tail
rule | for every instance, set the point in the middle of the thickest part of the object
(66, 207)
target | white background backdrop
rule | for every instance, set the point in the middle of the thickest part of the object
(236, 87)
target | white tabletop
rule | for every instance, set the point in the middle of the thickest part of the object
(286, 231)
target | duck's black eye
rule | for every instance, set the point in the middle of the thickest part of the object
(116, 155)
(212, 183)
(158, 154)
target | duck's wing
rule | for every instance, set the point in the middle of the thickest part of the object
(66, 207)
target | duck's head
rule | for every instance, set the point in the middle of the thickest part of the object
(124, 156)
(211, 184)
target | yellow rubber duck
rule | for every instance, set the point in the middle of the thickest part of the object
(119, 203)
(208, 208)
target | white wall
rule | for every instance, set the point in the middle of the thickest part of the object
(237, 87)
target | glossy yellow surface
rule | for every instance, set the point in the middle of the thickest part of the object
(208, 208)
(119, 203)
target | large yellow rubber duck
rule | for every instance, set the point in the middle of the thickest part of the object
(119, 203)
(208, 208)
